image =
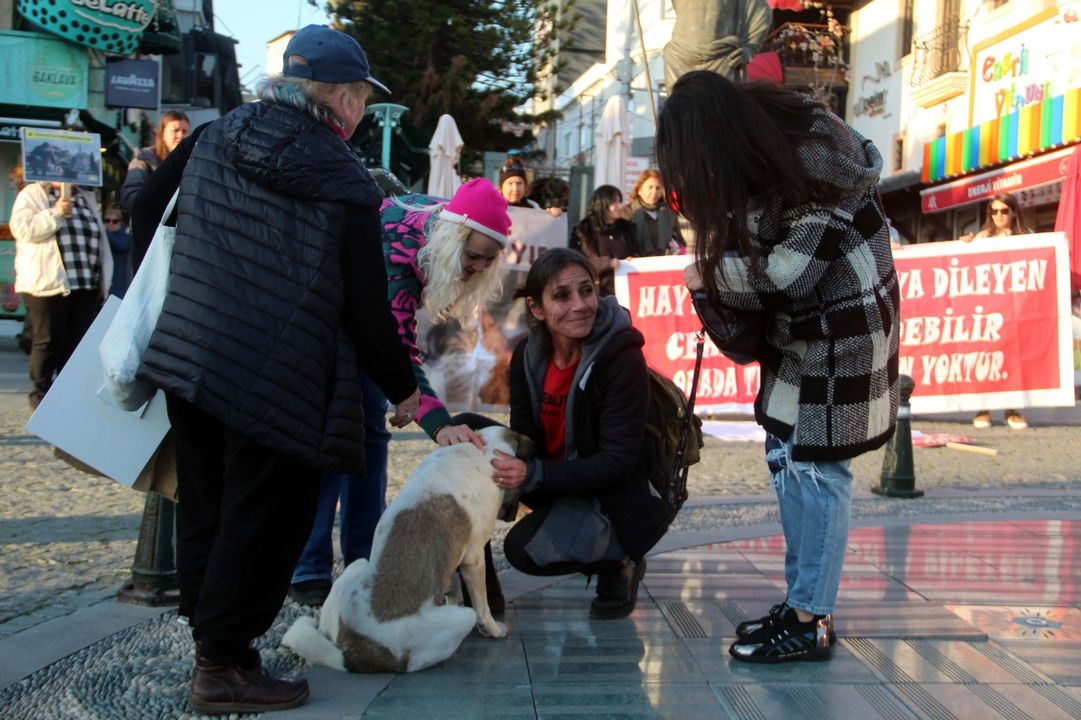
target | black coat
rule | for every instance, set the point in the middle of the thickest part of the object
(604, 434)
(256, 328)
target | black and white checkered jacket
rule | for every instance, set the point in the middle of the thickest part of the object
(830, 291)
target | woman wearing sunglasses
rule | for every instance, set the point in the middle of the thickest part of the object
(1004, 218)
(120, 244)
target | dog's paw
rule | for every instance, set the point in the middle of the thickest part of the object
(494, 629)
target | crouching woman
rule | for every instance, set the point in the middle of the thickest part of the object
(579, 389)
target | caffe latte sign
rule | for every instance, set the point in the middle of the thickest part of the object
(113, 26)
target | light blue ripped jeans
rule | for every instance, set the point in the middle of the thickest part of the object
(816, 502)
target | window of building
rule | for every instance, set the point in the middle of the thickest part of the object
(174, 89)
(907, 25)
(207, 80)
(898, 153)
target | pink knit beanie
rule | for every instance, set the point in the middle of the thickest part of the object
(478, 205)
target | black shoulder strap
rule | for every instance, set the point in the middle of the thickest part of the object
(677, 489)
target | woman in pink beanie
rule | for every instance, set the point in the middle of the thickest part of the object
(442, 256)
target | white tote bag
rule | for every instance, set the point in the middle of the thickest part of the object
(126, 339)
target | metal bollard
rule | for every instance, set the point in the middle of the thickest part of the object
(153, 572)
(898, 474)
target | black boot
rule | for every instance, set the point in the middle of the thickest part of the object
(617, 590)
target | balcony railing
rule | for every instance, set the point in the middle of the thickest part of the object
(938, 52)
(812, 55)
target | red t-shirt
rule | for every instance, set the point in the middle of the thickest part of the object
(553, 409)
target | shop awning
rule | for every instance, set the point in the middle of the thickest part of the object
(900, 181)
(1040, 170)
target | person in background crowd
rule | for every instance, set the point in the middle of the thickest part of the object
(514, 187)
(791, 233)
(63, 267)
(443, 257)
(260, 361)
(604, 236)
(656, 228)
(172, 129)
(580, 390)
(120, 246)
(1004, 218)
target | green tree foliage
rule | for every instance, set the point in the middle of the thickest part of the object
(476, 60)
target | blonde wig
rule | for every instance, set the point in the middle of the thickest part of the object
(446, 295)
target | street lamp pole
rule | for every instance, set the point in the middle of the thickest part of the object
(388, 117)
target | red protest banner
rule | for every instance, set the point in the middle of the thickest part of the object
(984, 325)
(660, 306)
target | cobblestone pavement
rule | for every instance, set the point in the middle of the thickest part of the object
(67, 538)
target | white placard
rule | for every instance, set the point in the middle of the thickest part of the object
(78, 415)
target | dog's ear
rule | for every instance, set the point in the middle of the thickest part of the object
(524, 448)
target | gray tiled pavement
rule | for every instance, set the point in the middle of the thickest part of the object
(964, 605)
(977, 619)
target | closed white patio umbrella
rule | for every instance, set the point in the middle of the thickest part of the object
(443, 150)
(613, 143)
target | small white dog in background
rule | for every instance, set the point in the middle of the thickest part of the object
(391, 614)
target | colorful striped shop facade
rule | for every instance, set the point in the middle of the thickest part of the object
(1034, 128)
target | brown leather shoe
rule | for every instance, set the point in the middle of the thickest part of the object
(219, 689)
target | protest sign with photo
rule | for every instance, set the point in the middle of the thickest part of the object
(532, 231)
(61, 156)
(469, 367)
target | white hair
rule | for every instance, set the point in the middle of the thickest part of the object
(446, 295)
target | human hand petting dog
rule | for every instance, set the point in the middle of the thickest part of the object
(454, 434)
(509, 471)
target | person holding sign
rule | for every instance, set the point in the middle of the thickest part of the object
(1004, 218)
(604, 236)
(514, 187)
(790, 230)
(655, 225)
(63, 268)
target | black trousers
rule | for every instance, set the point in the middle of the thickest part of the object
(244, 513)
(57, 324)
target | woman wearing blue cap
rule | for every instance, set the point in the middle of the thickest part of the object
(277, 302)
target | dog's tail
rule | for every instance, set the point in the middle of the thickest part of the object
(304, 638)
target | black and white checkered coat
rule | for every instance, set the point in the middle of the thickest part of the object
(829, 291)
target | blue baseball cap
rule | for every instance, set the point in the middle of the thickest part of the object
(332, 56)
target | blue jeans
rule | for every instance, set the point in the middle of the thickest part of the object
(816, 502)
(363, 498)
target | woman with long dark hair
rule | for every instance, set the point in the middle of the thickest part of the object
(1004, 218)
(604, 236)
(790, 231)
(580, 391)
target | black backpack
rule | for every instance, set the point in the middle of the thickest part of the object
(671, 444)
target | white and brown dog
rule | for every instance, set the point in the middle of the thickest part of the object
(392, 614)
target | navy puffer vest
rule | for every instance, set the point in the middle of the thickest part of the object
(251, 328)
